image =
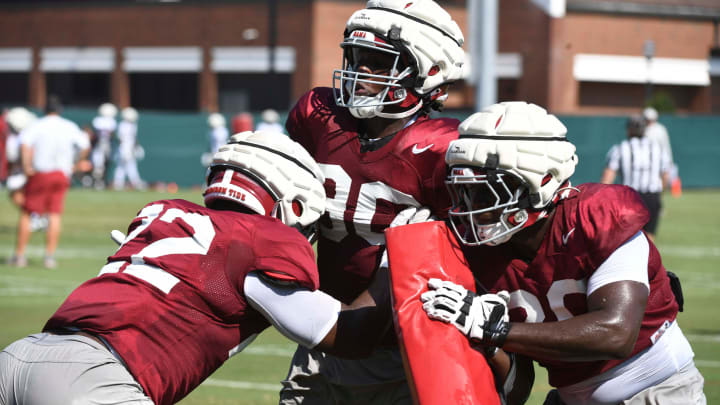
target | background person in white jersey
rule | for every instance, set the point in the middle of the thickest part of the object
(128, 152)
(656, 131)
(217, 136)
(104, 125)
(643, 165)
(18, 119)
(270, 122)
(48, 155)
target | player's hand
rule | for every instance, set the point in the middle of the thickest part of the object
(482, 318)
(412, 215)
(117, 236)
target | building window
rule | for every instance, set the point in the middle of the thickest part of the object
(79, 89)
(239, 92)
(14, 87)
(614, 96)
(164, 91)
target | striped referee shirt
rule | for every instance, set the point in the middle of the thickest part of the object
(640, 162)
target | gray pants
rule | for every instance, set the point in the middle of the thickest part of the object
(682, 388)
(319, 379)
(45, 369)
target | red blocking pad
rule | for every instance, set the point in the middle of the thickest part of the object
(441, 366)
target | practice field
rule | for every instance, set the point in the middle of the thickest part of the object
(689, 241)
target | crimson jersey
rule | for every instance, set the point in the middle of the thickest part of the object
(587, 227)
(365, 190)
(171, 301)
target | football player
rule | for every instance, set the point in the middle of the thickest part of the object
(127, 152)
(191, 286)
(104, 126)
(18, 119)
(380, 154)
(573, 281)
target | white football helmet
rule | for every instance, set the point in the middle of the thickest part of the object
(270, 174)
(107, 110)
(19, 118)
(505, 171)
(425, 44)
(270, 116)
(216, 120)
(129, 114)
(650, 114)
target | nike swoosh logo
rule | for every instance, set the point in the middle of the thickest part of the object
(417, 150)
(566, 237)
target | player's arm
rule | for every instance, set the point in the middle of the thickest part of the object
(26, 156)
(611, 166)
(82, 142)
(316, 320)
(608, 330)
(617, 297)
(362, 324)
(608, 176)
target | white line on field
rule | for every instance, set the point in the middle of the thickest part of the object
(247, 385)
(689, 251)
(707, 363)
(19, 286)
(267, 350)
(93, 252)
(243, 385)
(703, 338)
(24, 280)
(104, 251)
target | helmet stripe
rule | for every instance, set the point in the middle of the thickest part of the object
(418, 20)
(286, 156)
(514, 138)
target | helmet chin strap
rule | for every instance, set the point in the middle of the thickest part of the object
(492, 234)
(365, 107)
(364, 112)
(402, 114)
(376, 111)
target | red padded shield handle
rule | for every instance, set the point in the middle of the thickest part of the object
(441, 366)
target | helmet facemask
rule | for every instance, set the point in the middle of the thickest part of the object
(390, 77)
(486, 205)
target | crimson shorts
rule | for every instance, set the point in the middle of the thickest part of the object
(45, 192)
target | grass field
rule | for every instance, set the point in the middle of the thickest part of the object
(689, 241)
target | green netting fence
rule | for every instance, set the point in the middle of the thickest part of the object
(174, 143)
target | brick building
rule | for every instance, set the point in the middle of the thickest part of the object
(573, 56)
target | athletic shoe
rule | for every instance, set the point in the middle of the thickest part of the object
(50, 262)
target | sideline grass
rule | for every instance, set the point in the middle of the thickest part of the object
(689, 241)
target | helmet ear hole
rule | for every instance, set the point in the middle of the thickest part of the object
(297, 208)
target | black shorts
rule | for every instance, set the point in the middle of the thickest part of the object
(653, 204)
